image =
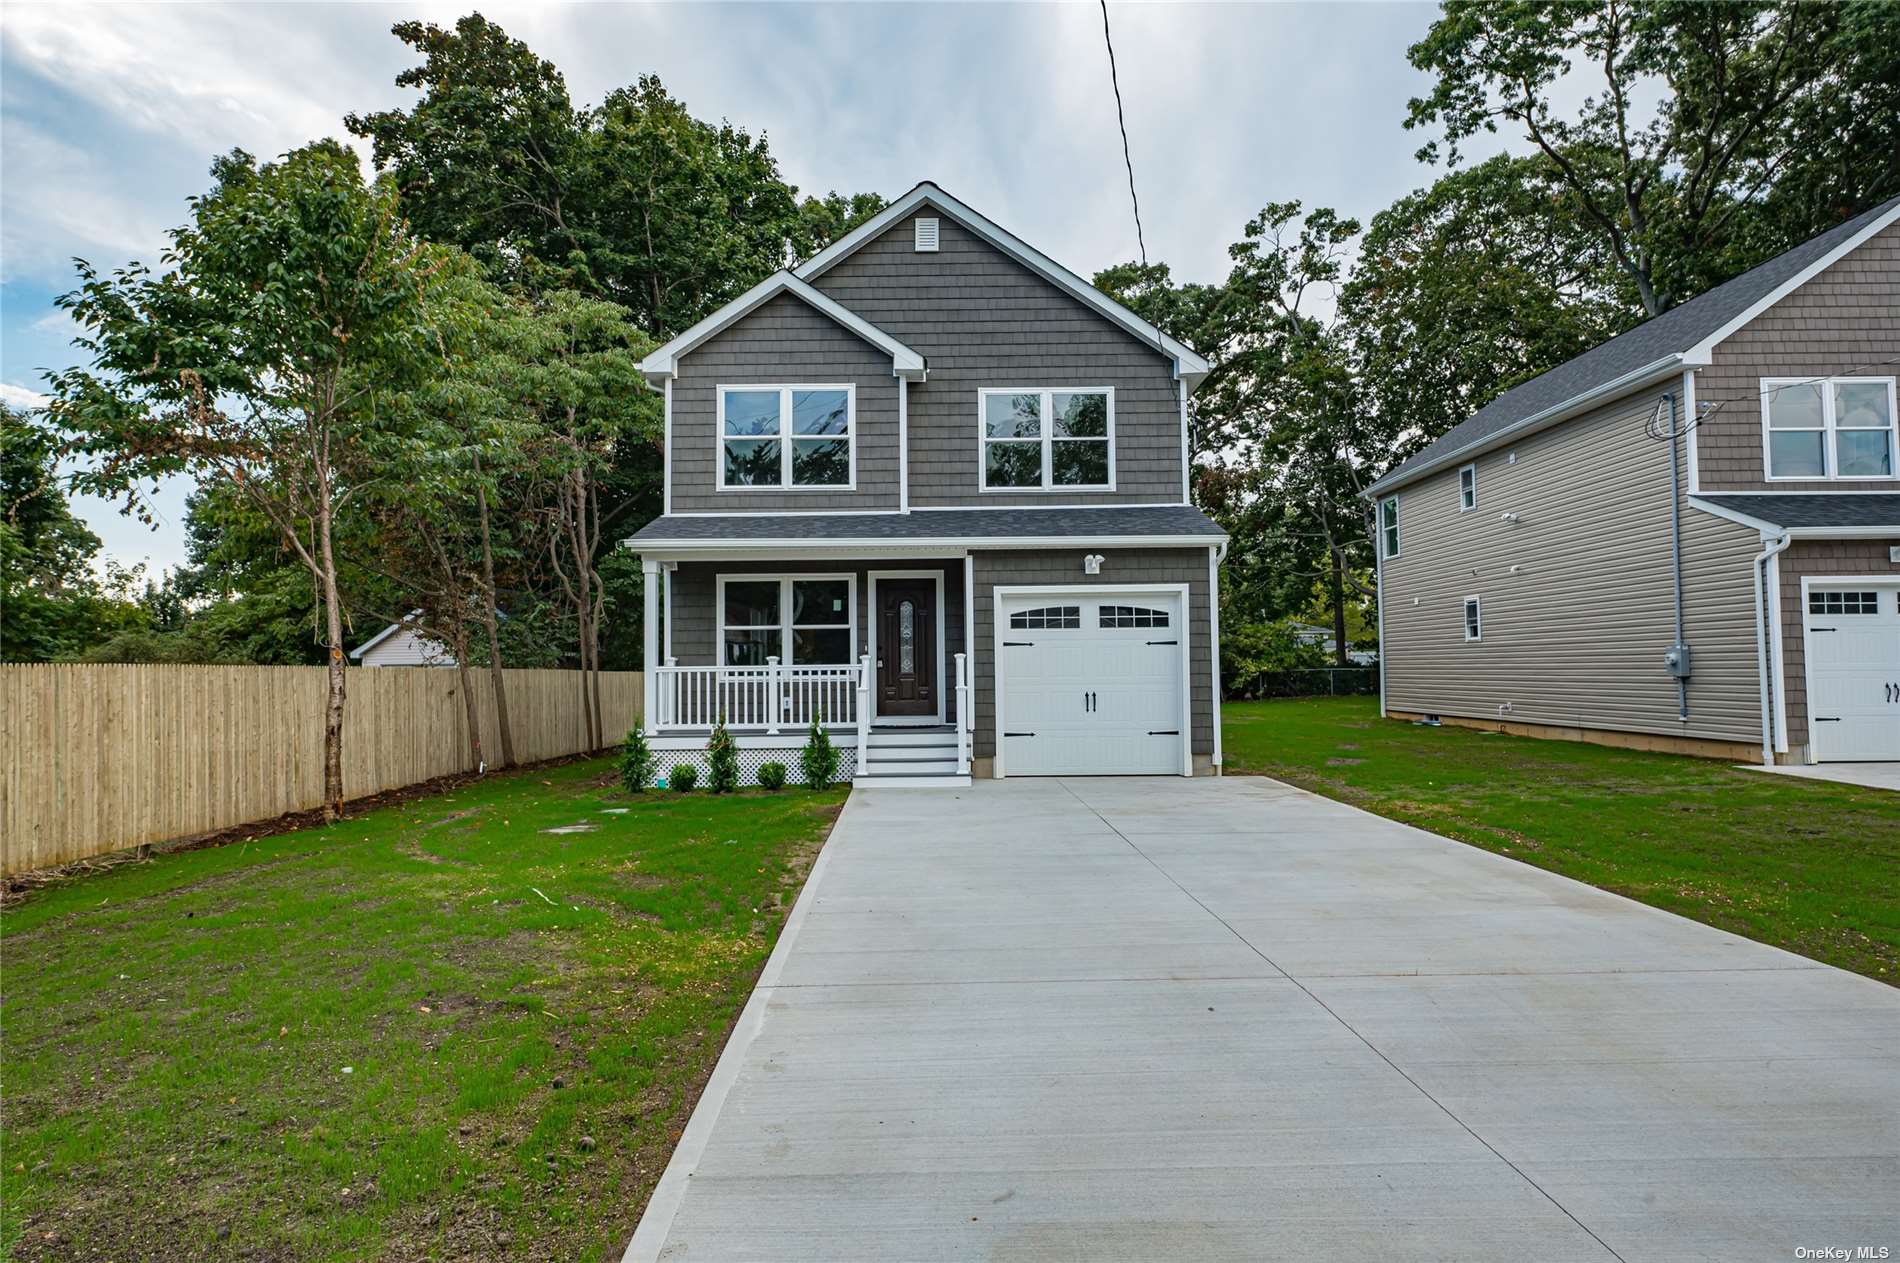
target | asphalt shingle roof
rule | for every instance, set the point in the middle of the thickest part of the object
(1184, 520)
(1816, 509)
(1675, 331)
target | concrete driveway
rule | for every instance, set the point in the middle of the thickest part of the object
(1228, 1020)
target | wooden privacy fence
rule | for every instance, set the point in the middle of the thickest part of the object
(95, 758)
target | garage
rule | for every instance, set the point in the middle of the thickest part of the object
(1092, 681)
(1853, 664)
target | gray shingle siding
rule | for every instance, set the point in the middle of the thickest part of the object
(1846, 321)
(1577, 596)
(1121, 567)
(983, 320)
(783, 342)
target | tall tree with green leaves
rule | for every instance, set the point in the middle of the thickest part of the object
(263, 355)
(1690, 117)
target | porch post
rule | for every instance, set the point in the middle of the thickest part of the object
(864, 715)
(649, 641)
(773, 696)
(963, 715)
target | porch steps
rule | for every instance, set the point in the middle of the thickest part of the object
(912, 757)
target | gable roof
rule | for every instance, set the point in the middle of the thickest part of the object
(1681, 337)
(1188, 366)
(386, 633)
(664, 362)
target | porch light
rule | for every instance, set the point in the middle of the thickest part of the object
(1092, 564)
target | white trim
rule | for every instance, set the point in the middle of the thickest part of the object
(903, 445)
(1778, 653)
(1768, 528)
(1701, 351)
(968, 722)
(1829, 430)
(941, 508)
(1187, 481)
(407, 620)
(1626, 384)
(785, 437)
(999, 593)
(1214, 555)
(878, 548)
(649, 641)
(1469, 467)
(693, 741)
(666, 616)
(1472, 605)
(786, 627)
(1046, 436)
(1188, 366)
(1795, 491)
(666, 454)
(664, 362)
(1765, 527)
(1765, 677)
(1397, 530)
(1378, 587)
(943, 649)
(1691, 422)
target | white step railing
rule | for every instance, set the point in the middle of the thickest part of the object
(964, 728)
(770, 698)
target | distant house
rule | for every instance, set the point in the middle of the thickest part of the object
(1687, 538)
(401, 645)
(1322, 638)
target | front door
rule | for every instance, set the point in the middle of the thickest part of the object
(907, 649)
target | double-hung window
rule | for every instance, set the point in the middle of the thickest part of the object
(787, 436)
(1467, 488)
(1834, 427)
(802, 620)
(1047, 440)
(1389, 526)
(1474, 619)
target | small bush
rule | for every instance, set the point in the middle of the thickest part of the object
(819, 758)
(772, 775)
(684, 777)
(636, 762)
(722, 756)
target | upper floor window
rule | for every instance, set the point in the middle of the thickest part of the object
(1474, 619)
(1389, 526)
(1047, 440)
(1834, 427)
(1467, 488)
(787, 436)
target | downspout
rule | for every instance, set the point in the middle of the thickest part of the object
(1675, 541)
(1774, 549)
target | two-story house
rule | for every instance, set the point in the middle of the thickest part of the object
(930, 489)
(1686, 538)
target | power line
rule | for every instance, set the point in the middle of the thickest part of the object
(1122, 123)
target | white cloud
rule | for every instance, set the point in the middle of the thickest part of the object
(20, 398)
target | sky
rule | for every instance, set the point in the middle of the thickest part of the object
(110, 116)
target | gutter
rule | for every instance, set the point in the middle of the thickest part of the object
(1775, 547)
(1668, 366)
(647, 544)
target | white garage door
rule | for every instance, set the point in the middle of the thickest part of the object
(1853, 652)
(1091, 684)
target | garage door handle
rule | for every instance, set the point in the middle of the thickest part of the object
(1822, 629)
(1019, 734)
(1164, 732)
(1164, 642)
(1827, 719)
(1019, 644)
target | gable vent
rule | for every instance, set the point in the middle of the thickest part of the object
(926, 236)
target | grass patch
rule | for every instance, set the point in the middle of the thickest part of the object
(1805, 865)
(433, 1031)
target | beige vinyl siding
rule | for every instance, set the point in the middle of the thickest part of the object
(782, 343)
(1844, 322)
(1818, 558)
(983, 320)
(1575, 635)
(1027, 568)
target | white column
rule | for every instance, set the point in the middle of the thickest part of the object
(774, 695)
(649, 639)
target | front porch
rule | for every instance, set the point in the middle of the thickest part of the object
(873, 653)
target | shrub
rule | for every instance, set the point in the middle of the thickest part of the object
(772, 775)
(819, 758)
(636, 761)
(684, 777)
(722, 758)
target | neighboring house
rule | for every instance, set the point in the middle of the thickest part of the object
(931, 488)
(401, 645)
(1322, 639)
(1528, 571)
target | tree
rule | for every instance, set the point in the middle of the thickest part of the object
(288, 312)
(1747, 91)
(1187, 312)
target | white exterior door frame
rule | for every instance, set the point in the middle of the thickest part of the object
(1885, 585)
(1092, 591)
(943, 649)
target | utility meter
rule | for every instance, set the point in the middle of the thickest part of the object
(1676, 661)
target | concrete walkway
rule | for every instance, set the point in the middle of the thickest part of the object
(1227, 1020)
(1871, 775)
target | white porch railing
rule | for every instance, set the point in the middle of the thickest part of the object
(769, 699)
(964, 728)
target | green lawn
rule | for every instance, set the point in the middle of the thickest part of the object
(1805, 865)
(435, 1031)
